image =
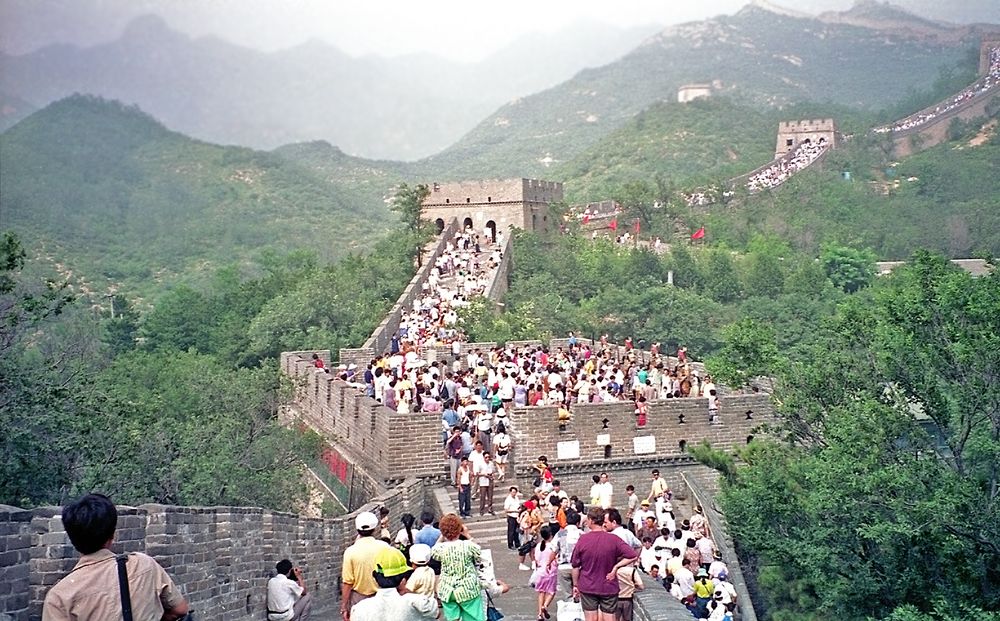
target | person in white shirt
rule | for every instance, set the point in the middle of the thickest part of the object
(605, 491)
(639, 518)
(511, 509)
(485, 473)
(648, 556)
(287, 598)
(613, 525)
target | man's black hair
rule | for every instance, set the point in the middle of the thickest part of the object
(284, 567)
(90, 522)
(427, 517)
(614, 515)
(390, 582)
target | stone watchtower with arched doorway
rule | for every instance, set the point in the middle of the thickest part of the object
(494, 205)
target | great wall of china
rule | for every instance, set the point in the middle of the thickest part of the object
(222, 556)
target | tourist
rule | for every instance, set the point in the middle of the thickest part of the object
(463, 482)
(511, 509)
(485, 472)
(404, 537)
(546, 573)
(596, 559)
(86, 593)
(287, 596)
(458, 586)
(501, 445)
(357, 581)
(658, 488)
(428, 534)
(422, 580)
(389, 573)
(628, 583)
(704, 589)
(613, 524)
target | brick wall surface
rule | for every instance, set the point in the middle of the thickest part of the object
(385, 445)
(220, 557)
(535, 431)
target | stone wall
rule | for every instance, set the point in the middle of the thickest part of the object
(506, 203)
(382, 443)
(723, 542)
(497, 288)
(933, 133)
(793, 133)
(536, 431)
(378, 342)
(220, 557)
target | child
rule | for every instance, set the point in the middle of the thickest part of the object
(422, 580)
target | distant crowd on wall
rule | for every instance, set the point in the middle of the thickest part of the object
(981, 86)
(777, 173)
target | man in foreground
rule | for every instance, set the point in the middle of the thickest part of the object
(596, 559)
(91, 592)
(287, 597)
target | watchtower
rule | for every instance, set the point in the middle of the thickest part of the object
(793, 133)
(494, 205)
(989, 52)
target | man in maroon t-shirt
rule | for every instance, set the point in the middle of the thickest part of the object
(597, 556)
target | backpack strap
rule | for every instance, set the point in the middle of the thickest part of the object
(123, 587)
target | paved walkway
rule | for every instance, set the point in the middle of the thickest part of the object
(490, 532)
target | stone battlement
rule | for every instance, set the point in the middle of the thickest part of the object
(793, 133)
(495, 205)
(220, 557)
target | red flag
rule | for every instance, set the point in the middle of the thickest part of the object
(699, 233)
(637, 226)
(614, 225)
(586, 218)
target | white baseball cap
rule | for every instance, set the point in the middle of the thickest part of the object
(420, 553)
(366, 520)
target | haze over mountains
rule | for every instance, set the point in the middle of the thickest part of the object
(413, 106)
(400, 108)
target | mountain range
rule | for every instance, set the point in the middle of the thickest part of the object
(759, 56)
(401, 108)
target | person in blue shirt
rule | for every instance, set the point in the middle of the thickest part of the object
(427, 535)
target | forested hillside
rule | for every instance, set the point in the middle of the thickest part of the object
(760, 57)
(109, 192)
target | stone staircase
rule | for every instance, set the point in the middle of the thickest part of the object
(490, 532)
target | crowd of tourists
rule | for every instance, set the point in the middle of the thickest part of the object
(781, 170)
(980, 87)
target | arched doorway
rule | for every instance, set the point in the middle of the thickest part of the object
(491, 231)
(439, 223)
(467, 224)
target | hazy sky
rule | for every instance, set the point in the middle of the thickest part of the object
(458, 29)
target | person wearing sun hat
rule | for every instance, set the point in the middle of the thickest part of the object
(357, 582)
(390, 572)
(422, 581)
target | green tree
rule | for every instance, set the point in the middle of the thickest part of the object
(749, 350)
(848, 268)
(408, 203)
(886, 492)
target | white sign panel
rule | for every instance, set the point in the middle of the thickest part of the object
(568, 450)
(644, 444)
(603, 439)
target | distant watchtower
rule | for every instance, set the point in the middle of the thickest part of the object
(494, 205)
(793, 133)
(989, 50)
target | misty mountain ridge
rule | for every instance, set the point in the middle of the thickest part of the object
(757, 56)
(403, 107)
(123, 199)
